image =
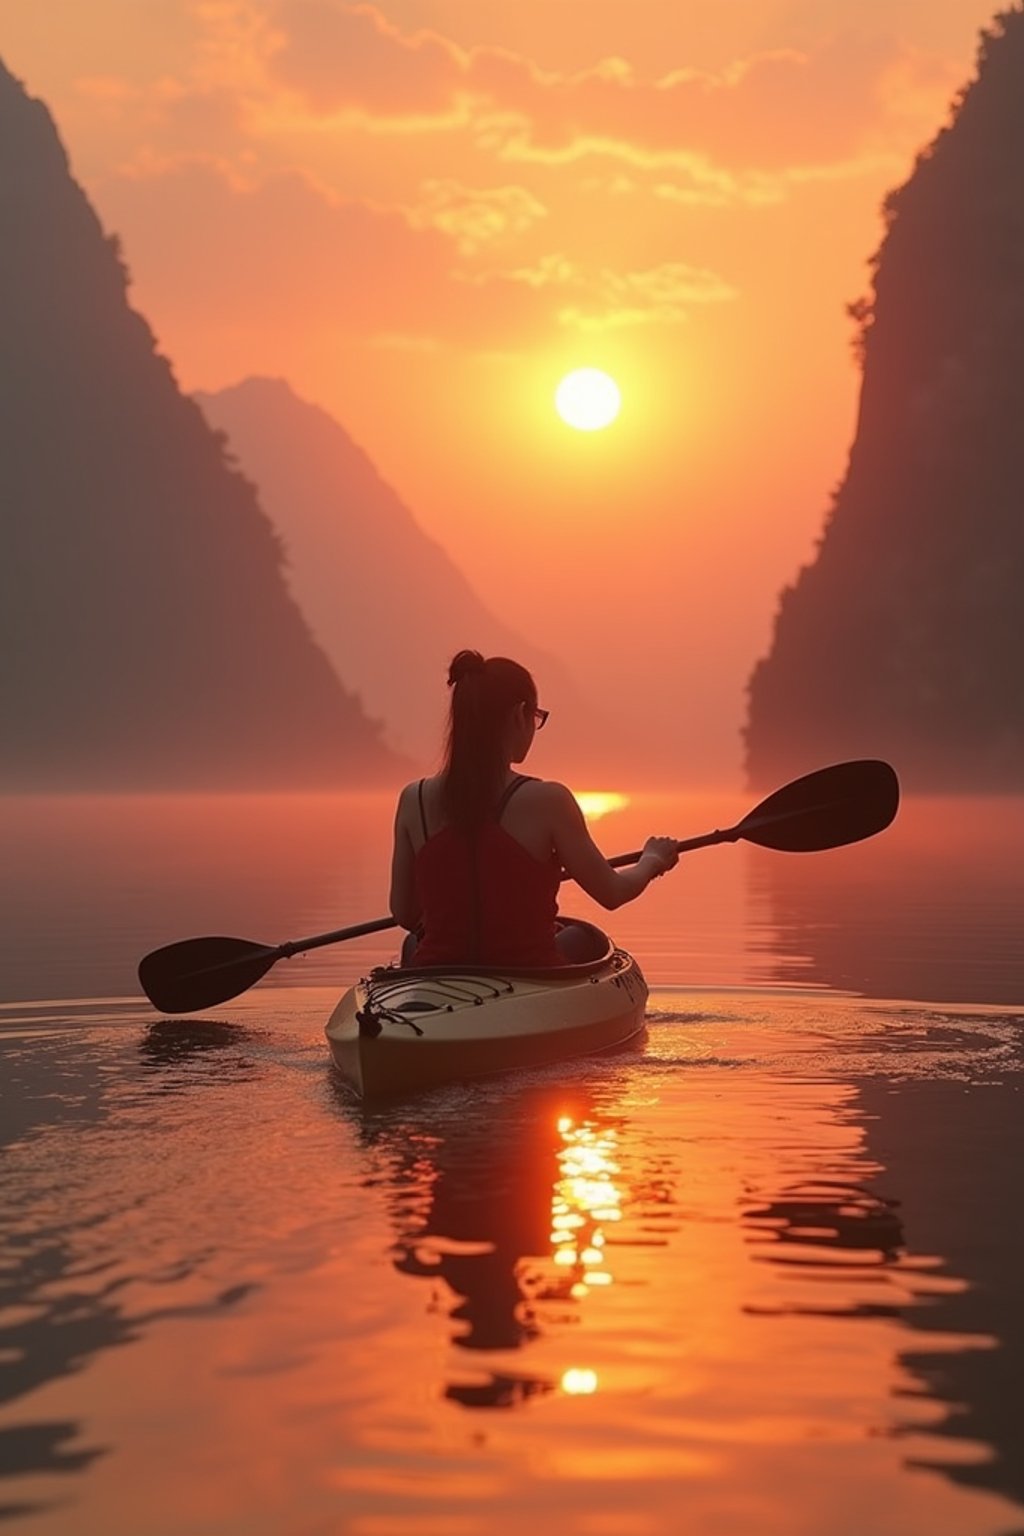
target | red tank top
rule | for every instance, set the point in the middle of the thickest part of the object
(485, 899)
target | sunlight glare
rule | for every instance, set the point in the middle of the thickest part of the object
(578, 1382)
(588, 399)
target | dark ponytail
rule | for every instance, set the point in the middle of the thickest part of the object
(484, 694)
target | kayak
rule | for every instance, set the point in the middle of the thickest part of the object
(402, 1029)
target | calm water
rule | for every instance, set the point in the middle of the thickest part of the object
(762, 1274)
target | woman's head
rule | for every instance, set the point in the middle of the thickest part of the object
(491, 723)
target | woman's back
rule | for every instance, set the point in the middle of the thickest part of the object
(485, 895)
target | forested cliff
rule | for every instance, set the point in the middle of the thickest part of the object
(147, 637)
(903, 637)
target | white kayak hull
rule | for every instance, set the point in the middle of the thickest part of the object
(400, 1031)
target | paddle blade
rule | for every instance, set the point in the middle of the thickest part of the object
(827, 809)
(198, 973)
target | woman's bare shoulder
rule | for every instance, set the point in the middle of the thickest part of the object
(425, 792)
(409, 794)
(430, 782)
(550, 793)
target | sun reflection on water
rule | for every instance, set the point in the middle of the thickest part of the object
(585, 1199)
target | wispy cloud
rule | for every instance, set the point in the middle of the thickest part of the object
(476, 219)
(758, 111)
(593, 299)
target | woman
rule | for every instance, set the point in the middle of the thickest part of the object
(479, 850)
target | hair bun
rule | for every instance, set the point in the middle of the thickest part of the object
(464, 664)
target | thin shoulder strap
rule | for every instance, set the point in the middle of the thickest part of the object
(517, 783)
(423, 814)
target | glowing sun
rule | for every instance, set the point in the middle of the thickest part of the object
(588, 399)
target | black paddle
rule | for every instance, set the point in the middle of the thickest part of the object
(826, 809)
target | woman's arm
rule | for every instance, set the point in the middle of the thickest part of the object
(584, 862)
(404, 906)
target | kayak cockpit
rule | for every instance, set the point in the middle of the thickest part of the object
(589, 948)
(402, 1029)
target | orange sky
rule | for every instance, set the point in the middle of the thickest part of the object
(422, 212)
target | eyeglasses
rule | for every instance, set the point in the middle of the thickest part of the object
(540, 717)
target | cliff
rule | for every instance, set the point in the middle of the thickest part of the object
(903, 637)
(147, 636)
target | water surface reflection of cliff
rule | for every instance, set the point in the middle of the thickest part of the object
(955, 1153)
(930, 910)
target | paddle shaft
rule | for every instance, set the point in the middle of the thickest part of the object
(299, 946)
(708, 839)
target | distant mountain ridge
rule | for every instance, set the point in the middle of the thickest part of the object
(382, 596)
(904, 636)
(147, 638)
